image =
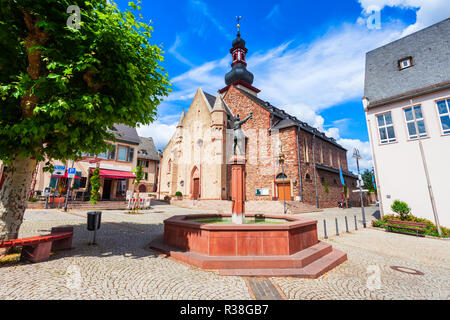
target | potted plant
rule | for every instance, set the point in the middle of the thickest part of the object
(179, 195)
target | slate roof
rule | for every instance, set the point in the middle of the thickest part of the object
(147, 149)
(430, 70)
(211, 99)
(333, 170)
(286, 120)
(125, 133)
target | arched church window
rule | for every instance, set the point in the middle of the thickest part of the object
(182, 183)
(281, 176)
(169, 166)
(142, 188)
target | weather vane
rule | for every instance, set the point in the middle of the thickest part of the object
(238, 19)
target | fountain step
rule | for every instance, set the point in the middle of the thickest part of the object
(299, 260)
(312, 271)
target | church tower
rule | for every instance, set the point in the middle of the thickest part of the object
(239, 75)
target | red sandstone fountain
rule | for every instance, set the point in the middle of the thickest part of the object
(252, 245)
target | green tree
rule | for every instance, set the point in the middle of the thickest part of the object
(139, 173)
(62, 89)
(367, 178)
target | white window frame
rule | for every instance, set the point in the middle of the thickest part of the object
(385, 127)
(400, 62)
(440, 115)
(414, 121)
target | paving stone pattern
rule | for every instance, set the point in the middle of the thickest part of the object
(122, 267)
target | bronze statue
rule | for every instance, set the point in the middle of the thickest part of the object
(239, 135)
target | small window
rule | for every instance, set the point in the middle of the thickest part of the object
(386, 128)
(182, 183)
(122, 154)
(146, 176)
(308, 176)
(112, 153)
(414, 119)
(444, 115)
(405, 63)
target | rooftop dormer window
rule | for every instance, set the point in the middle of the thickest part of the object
(405, 63)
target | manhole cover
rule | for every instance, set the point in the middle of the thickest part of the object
(407, 270)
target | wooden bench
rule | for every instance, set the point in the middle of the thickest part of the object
(37, 249)
(406, 225)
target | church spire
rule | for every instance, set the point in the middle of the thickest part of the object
(239, 71)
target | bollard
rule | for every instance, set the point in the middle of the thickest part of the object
(356, 224)
(325, 228)
(346, 224)
(337, 228)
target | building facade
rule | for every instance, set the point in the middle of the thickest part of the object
(116, 169)
(148, 158)
(195, 161)
(407, 106)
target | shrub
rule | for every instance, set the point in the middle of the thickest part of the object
(430, 229)
(33, 200)
(402, 209)
(178, 194)
(326, 187)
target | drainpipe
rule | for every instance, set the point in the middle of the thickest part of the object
(315, 174)
(299, 167)
(427, 174)
(159, 182)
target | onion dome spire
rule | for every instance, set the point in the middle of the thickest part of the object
(239, 71)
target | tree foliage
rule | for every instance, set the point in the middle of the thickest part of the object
(62, 89)
(367, 179)
(95, 186)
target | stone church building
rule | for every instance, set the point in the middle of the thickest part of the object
(286, 159)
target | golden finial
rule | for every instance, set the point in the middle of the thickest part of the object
(238, 19)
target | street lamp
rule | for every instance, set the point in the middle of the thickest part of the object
(281, 158)
(357, 156)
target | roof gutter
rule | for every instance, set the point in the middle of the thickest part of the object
(408, 95)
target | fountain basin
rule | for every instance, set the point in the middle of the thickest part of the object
(287, 235)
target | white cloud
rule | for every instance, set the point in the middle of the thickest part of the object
(364, 150)
(174, 51)
(428, 13)
(305, 80)
(160, 132)
(275, 13)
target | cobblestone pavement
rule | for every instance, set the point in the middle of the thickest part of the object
(371, 253)
(330, 215)
(121, 267)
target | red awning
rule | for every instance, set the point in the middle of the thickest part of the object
(116, 174)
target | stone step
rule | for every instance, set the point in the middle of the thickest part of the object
(312, 271)
(297, 260)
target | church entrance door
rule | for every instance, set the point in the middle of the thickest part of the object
(196, 188)
(284, 191)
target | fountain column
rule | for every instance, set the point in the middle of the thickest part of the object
(237, 163)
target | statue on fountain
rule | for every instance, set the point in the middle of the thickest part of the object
(239, 135)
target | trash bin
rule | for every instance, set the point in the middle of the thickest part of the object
(93, 220)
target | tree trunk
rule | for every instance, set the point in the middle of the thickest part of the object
(33, 181)
(13, 196)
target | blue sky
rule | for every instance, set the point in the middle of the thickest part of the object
(307, 56)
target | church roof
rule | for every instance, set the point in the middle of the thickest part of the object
(286, 120)
(211, 99)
